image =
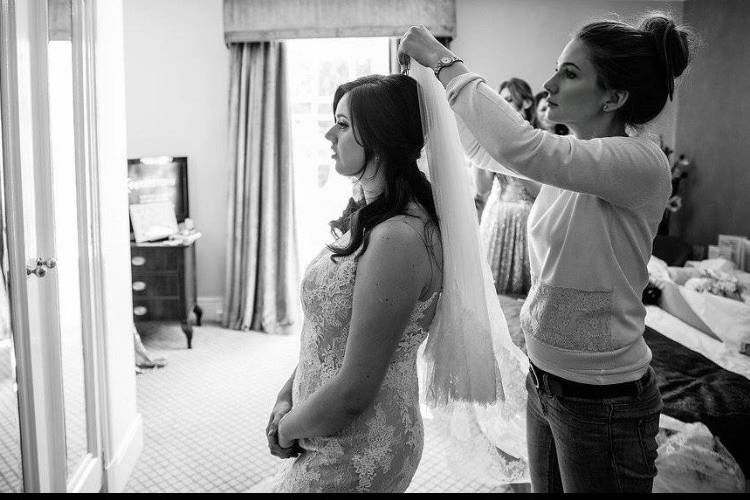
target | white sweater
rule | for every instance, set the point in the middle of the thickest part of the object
(590, 234)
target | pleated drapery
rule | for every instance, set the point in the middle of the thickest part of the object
(262, 272)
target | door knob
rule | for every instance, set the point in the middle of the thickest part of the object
(38, 271)
(49, 263)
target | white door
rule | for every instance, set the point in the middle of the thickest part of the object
(54, 286)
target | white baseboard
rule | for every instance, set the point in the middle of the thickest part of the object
(212, 308)
(119, 469)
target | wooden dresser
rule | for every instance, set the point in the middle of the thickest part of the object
(164, 285)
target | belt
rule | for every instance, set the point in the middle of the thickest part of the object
(561, 387)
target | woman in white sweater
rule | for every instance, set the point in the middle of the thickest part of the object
(593, 406)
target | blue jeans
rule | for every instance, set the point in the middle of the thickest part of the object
(593, 445)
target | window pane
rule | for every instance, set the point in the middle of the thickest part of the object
(316, 68)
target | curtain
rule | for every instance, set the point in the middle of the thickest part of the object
(261, 253)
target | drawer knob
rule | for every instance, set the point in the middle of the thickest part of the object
(140, 310)
(139, 286)
(138, 260)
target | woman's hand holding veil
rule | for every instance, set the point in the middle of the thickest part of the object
(419, 44)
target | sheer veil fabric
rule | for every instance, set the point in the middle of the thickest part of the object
(472, 373)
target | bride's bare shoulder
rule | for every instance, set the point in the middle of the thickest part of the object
(415, 230)
(399, 228)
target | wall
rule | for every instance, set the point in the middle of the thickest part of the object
(499, 39)
(176, 83)
(123, 425)
(712, 123)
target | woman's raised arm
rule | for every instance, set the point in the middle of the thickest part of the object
(624, 171)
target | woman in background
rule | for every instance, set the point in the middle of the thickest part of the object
(542, 122)
(502, 224)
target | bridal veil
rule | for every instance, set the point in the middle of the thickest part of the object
(473, 374)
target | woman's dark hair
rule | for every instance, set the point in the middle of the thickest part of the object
(520, 91)
(643, 60)
(559, 128)
(385, 117)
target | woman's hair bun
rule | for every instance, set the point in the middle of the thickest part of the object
(672, 45)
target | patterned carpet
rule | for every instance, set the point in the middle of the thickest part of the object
(11, 480)
(205, 414)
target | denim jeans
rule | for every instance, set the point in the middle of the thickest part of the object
(593, 445)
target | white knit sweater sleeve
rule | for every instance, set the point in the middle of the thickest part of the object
(625, 171)
(478, 155)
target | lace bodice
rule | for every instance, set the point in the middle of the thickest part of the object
(381, 448)
(510, 189)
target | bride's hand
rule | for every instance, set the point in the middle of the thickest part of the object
(418, 43)
(284, 441)
(272, 432)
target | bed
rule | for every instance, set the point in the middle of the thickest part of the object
(701, 380)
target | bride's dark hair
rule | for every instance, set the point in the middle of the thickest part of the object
(387, 124)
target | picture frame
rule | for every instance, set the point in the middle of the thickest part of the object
(153, 221)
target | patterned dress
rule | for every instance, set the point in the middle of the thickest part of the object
(503, 233)
(380, 450)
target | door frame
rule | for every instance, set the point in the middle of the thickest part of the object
(39, 369)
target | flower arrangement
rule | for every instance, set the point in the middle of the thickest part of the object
(679, 174)
(716, 283)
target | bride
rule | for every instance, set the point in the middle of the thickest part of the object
(348, 418)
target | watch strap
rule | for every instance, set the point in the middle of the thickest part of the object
(444, 63)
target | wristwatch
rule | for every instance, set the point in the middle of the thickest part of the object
(444, 62)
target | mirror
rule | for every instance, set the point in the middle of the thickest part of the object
(11, 470)
(63, 160)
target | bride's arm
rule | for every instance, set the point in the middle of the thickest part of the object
(285, 394)
(282, 406)
(390, 277)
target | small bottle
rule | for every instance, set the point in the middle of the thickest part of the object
(187, 226)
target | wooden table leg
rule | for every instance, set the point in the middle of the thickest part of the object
(198, 314)
(187, 329)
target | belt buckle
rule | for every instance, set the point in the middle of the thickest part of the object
(534, 376)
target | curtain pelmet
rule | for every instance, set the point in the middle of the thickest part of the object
(260, 20)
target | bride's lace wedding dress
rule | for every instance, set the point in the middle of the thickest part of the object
(380, 450)
(473, 374)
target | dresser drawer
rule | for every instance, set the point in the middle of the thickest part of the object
(155, 259)
(157, 309)
(163, 284)
(156, 284)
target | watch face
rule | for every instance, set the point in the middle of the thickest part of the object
(445, 60)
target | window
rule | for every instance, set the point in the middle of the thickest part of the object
(315, 68)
